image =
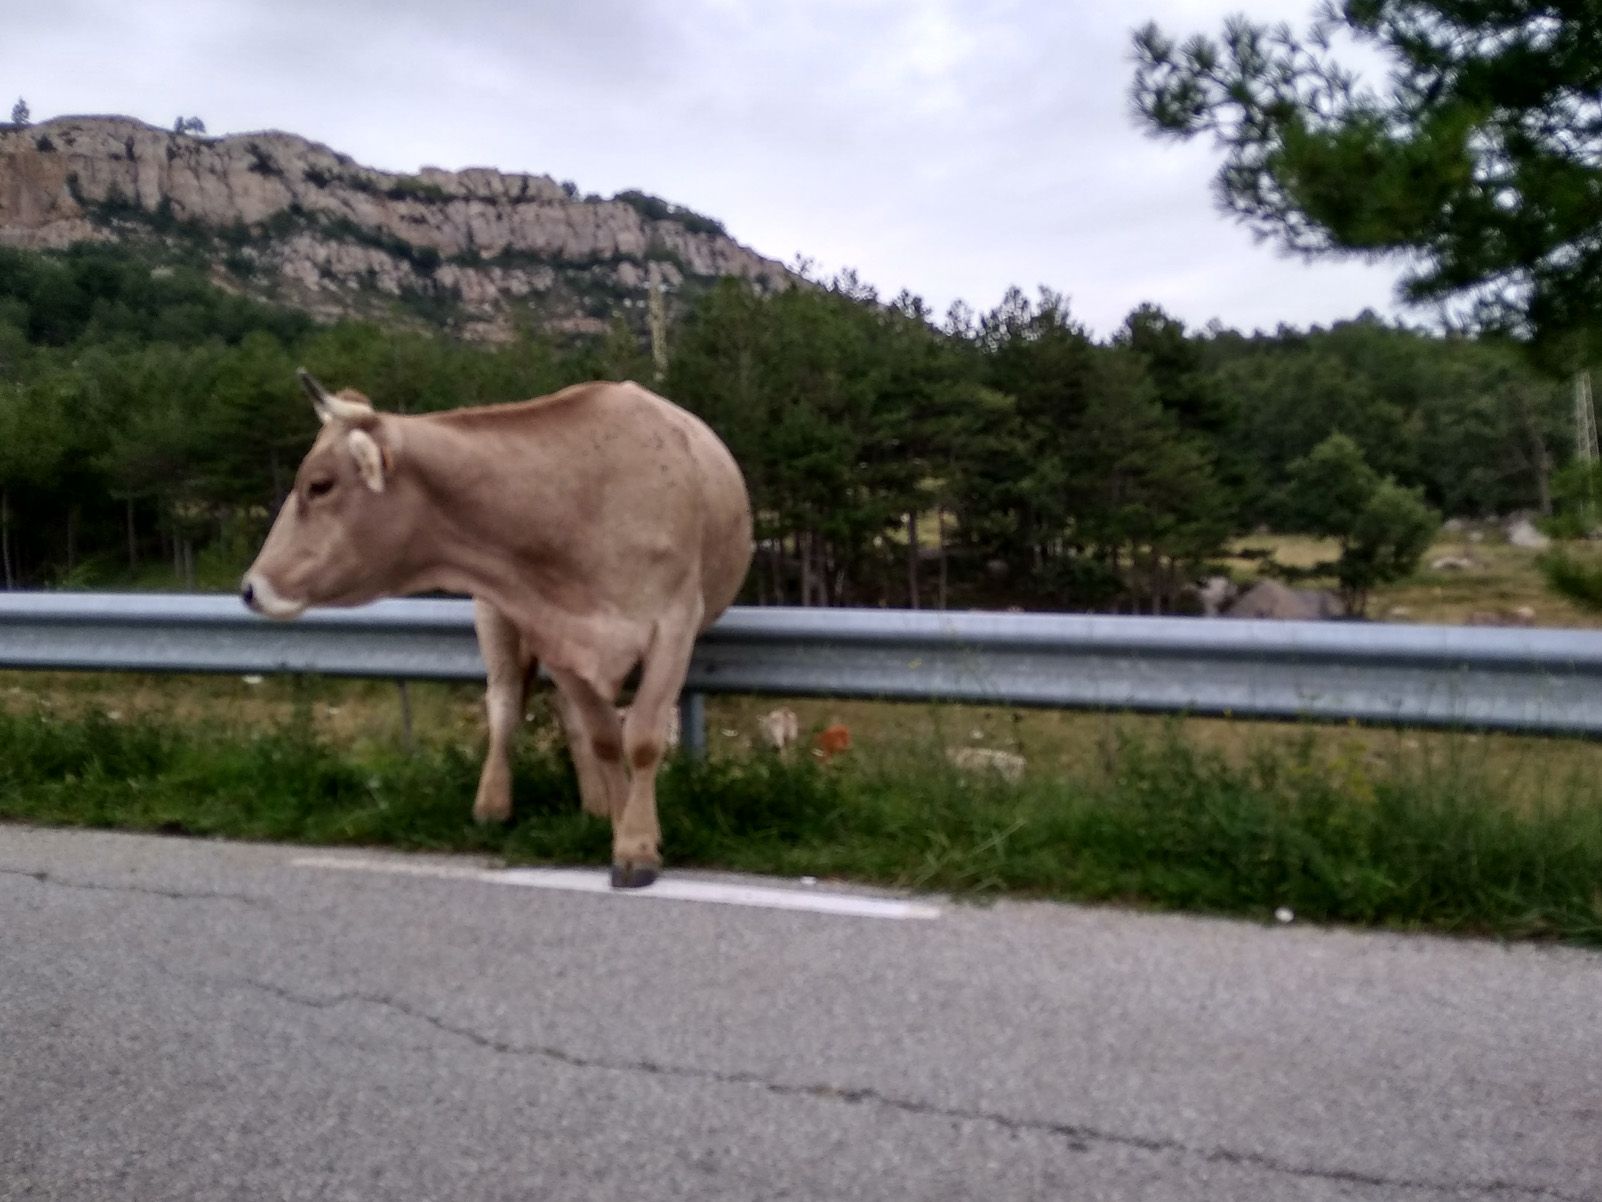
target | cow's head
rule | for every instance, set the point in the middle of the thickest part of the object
(340, 536)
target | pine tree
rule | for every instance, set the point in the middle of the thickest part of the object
(1478, 165)
(1383, 528)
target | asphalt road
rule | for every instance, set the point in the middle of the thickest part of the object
(202, 1020)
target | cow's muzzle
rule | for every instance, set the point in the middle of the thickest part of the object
(260, 596)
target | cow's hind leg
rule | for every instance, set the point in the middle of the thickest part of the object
(602, 783)
(509, 673)
(596, 738)
(636, 836)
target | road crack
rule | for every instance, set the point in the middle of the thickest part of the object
(1079, 1138)
(48, 878)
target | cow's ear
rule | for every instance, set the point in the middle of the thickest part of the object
(372, 461)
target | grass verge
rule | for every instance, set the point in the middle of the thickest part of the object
(1423, 842)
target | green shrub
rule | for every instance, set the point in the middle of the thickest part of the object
(1575, 579)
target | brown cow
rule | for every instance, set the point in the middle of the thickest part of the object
(597, 529)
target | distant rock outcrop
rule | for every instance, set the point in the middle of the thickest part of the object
(1271, 599)
(291, 219)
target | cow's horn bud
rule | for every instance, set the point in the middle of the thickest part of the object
(330, 408)
(316, 391)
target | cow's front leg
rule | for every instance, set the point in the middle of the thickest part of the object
(508, 673)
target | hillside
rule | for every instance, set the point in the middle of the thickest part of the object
(150, 418)
(278, 217)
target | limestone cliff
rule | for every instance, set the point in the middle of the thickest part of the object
(279, 216)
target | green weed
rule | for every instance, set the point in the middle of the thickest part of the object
(1418, 842)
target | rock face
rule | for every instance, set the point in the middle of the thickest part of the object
(291, 219)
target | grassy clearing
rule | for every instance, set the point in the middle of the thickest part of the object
(1420, 841)
(1504, 579)
(1501, 580)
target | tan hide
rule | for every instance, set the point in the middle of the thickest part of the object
(599, 528)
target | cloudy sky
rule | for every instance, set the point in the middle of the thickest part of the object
(951, 147)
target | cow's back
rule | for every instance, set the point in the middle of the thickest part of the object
(726, 540)
(650, 487)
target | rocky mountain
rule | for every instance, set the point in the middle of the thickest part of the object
(280, 217)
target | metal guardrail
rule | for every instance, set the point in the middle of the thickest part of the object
(170, 632)
(1539, 681)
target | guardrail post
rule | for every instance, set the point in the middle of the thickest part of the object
(692, 724)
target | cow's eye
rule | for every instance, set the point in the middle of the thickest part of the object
(319, 488)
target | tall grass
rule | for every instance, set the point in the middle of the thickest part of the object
(1577, 579)
(1426, 842)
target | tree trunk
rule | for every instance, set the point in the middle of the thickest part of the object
(72, 538)
(803, 546)
(5, 538)
(940, 534)
(133, 540)
(912, 558)
(1540, 457)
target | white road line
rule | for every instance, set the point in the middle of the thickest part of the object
(584, 880)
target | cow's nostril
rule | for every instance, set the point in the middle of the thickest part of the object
(248, 593)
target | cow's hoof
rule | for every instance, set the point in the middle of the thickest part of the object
(632, 874)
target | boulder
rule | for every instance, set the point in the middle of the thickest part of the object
(1522, 616)
(1008, 765)
(1271, 599)
(1521, 532)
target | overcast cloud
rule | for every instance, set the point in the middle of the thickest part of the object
(950, 147)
